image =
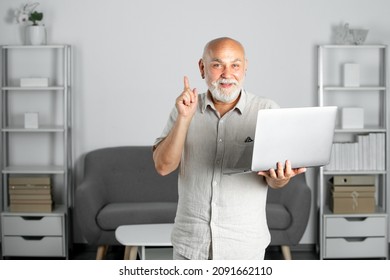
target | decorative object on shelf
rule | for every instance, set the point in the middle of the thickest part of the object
(359, 36)
(352, 117)
(34, 82)
(351, 75)
(31, 120)
(346, 36)
(35, 34)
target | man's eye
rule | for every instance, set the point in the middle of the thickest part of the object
(216, 65)
(236, 66)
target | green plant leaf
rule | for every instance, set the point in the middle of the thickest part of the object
(35, 16)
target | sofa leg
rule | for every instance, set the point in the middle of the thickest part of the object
(130, 253)
(101, 252)
(133, 253)
(127, 253)
(286, 252)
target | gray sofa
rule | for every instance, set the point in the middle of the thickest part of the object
(120, 186)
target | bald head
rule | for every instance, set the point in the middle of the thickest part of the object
(223, 42)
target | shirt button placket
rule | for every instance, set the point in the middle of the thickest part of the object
(217, 174)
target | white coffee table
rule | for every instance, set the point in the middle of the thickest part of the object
(134, 236)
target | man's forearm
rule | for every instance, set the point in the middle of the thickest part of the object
(167, 154)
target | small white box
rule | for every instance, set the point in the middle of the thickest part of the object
(34, 82)
(351, 75)
(352, 117)
(31, 120)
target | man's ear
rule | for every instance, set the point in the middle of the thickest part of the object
(201, 68)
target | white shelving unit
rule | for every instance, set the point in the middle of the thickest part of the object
(354, 235)
(46, 150)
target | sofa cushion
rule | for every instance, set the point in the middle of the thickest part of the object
(277, 216)
(116, 214)
(129, 175)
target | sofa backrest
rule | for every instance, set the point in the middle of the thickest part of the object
(129, 174)
(287, 192)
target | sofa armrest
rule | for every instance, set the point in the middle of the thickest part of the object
(90, 197)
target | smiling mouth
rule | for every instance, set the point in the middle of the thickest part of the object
(226, 85)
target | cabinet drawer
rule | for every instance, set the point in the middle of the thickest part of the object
(370, 247)
(33, 225)
(47, 246)
(355, 227)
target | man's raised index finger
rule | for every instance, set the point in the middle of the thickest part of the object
(186, 83)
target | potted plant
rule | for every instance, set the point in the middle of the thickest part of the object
(35, 32)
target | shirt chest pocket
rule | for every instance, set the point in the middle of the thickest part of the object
(238, 154)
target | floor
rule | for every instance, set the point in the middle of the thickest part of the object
(84, 252)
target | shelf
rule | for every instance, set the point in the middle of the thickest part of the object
(356, 151)
(33, 46)
(32, 88)
(53, 62)
(353, 46)
(362, 88)
(354, 172)
(58, 209)
(361, 130)
(34, 170)
(378, 211)
(34, 130)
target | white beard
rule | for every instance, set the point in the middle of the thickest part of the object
(223, 95)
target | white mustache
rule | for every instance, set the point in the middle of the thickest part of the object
(226, 81)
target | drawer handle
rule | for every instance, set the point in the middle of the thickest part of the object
(33, 238)
(356, 219)
(32, 218)
(355, 239)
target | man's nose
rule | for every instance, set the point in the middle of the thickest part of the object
(226, 73)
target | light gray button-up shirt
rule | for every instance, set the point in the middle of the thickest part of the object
(226, 212)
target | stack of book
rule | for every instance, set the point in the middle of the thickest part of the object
(353, 194)
(367, 153)
(30, 194)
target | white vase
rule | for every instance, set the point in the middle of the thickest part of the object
(35, 35)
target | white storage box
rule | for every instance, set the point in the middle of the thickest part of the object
(31, 120)
(34, 82)
(352, 117)
(351, 75)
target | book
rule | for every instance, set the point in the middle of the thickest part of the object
(45, 190)
(31, 207)
(366, 153)
(30, 196)
(31, 201)
(353, 188)
(26, 181)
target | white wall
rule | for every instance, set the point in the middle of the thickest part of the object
(130, 55)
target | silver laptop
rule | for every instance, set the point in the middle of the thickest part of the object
(302, 135)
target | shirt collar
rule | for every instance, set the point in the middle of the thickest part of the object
(240, 106)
